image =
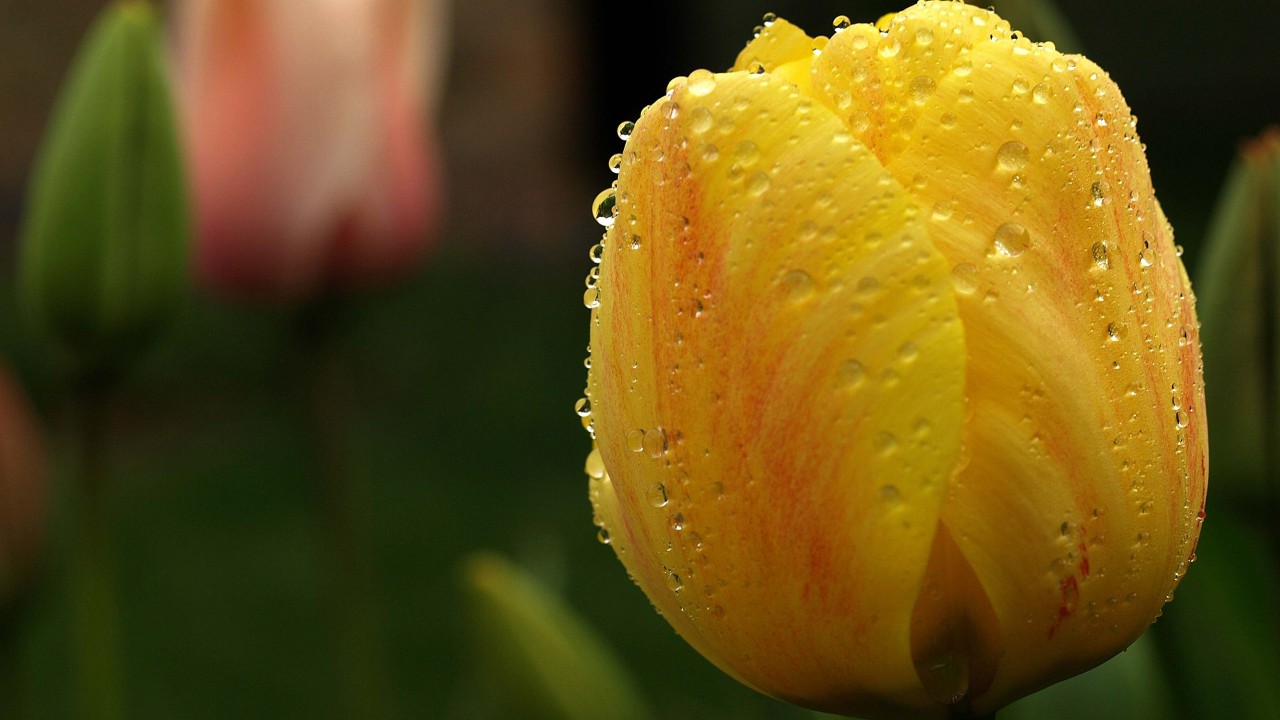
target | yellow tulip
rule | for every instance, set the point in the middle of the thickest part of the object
(895, 374)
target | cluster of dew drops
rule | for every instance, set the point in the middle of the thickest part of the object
(605, 210)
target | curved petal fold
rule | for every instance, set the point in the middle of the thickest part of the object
(777, 384)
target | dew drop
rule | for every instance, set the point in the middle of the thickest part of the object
(1099, 192)
(701, 120)
(594, 466)
(701, 82)
(797, 284)
(658, 495)
(841, 22)
(965, 278)
(635, 440)
(1011, 239)
(670, 109)
(655, 443)
(1100, 256)
(922, 89)
(591, 298)
(582, 407)
(1012, 156)
(605, 207)
(747, 154)
(757, 184)
(625, 128)
(851, 374)
(891, 495)
(615, 163)
(674, 583)
(886, 443)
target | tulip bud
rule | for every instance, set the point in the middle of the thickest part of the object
(104, 257)
(23, 491)
(895, 376)
(1239, 306)
(306, 129)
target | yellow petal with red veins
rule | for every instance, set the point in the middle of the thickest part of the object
(776, 387)
(1085, 439)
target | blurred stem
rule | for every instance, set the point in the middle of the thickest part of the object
(11, 686)
(95, 610)
(345, 525)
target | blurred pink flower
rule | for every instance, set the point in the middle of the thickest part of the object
(23, 490)
(311, 145)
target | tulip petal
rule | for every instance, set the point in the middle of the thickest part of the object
(776, 387)
(1080, 501)
(778, 43)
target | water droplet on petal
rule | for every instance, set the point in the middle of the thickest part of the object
(922, 89)
(851, 374)
(747, 154)
(701, 120)
(605, 207)
(1011, 239)
(1101, 258)
(701, 82)
(797, 284)
(1012, 156)
(595, 464)
(965, 278)
(658, 495)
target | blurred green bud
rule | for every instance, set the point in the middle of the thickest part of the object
(1239, 303)
(1222, 637)
(103, 263)
(545, 661)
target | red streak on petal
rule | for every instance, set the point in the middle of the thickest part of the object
(1070, 594)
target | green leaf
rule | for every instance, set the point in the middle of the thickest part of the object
(544, 660)
(1237, 300)
(1222, 631)
(103, 262)
(1130, 685)
(1040, 20)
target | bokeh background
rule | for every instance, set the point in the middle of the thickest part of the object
(461, 382)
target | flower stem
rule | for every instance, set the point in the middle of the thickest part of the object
(94, 603)
(352, 609)
(11, 686)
